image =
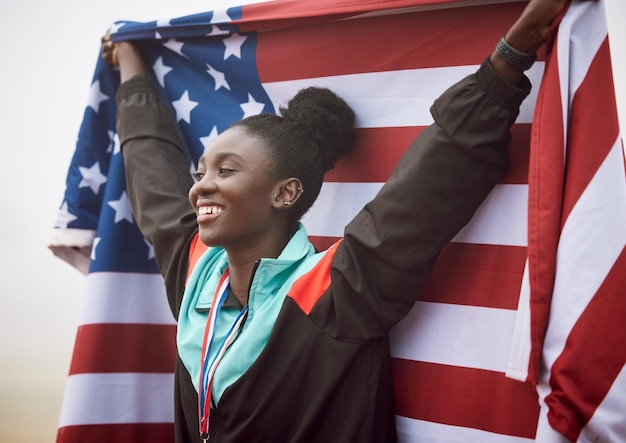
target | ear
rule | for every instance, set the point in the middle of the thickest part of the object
(287, 192)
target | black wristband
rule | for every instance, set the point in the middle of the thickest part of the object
(520, 61)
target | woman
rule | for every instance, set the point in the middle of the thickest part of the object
(304, 333)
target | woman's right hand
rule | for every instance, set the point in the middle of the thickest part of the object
(124, 55)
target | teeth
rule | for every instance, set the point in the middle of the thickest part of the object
(203, 210)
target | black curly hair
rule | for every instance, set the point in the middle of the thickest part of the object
(305, 141)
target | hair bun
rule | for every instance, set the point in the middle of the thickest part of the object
(326, 118)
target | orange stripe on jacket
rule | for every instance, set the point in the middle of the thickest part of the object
(308, 289)
(196, 249)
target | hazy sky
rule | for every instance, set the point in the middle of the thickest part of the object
(49, 51)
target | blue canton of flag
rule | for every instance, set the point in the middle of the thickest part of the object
(207, 71)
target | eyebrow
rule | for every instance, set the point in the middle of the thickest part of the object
(222, 156)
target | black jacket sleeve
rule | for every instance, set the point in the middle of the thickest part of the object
(391, 246)
(157, 180)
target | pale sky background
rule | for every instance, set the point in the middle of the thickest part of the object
(49, 51)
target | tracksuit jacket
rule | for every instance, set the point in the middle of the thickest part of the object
(311, 363)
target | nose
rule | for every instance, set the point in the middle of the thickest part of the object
(201, 188)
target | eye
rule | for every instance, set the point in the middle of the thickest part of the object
(197, 176)
(224, 171)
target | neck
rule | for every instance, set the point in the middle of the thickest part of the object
(241, 265)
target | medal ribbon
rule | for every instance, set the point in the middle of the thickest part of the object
(207, 369)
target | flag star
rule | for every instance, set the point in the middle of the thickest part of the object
(96, 96)
(116, 27)
(111, 146)
(233, 45)
(96, 241)
(216, 30)
(122, 209)
(92, 177)
(251, 107)
(183, 107)
(175, 46)
(116, 144)
(220, 16)
(161, 70)
(64, 217)
(163, 22)
(150, 249)
(209, 138)
(219, 77)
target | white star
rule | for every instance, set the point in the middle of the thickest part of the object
(216, 30)
(117, 148)
(116, 27)
(161, 70)
(111, 146)
(92, 177)
(209, 138)
(233, 45)
(252, 107)
(150, 249)
(183, 107)
(219, 77)
(175, 46)
(64, 217)
(163, 22)
(93, 248)
(96, 96)
(122, 209)
(220, 16)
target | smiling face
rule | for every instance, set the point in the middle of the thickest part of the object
(234, 193)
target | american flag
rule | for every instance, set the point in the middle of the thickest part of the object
(389, 60)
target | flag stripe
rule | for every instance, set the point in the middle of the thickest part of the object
(127, 432)
(500, 220)
(477, 275)
(597, 129)
(378, 150)
(115, 297)
(396, 42)
(394, 98)
(124, 347)
(426, 335)
(411, 430)
(602, 355)
(448, 395)
(111, 399)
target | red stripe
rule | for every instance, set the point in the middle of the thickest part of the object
(121, 347)
(477, 275)
(384, 43)
(592, 134)
(464, 397)
(378, 150)
(594, 355)
(117, 433)
(280, 14)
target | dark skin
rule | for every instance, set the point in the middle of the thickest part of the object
(224, 182)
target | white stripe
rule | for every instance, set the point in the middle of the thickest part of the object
(394, 98)
(500, 220)
(116, 297)
(608, 423)
(592, 238)
(410, 430)
(480, 338)
(118, 398)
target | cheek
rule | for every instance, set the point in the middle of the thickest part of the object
(192, 195)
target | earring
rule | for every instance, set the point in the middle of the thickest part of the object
(287, 203)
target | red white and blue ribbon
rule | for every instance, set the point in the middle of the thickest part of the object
(208, 368)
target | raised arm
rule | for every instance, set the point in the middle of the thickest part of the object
(157, 170)
(390, 248)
